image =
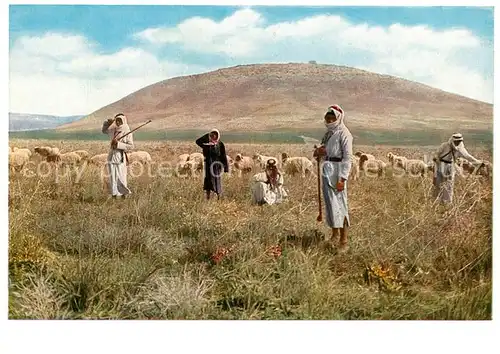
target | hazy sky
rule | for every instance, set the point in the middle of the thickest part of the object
(69, 59)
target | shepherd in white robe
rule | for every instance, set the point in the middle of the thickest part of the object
(445, 160)
(336, 148)
(117, 158)
(267, 187)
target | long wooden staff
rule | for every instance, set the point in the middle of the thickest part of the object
(133, 130)
(320, 209)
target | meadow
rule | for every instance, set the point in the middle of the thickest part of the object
(167, 253)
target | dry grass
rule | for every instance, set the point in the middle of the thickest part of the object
(74, 253)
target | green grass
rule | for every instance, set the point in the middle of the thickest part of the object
(377, 137)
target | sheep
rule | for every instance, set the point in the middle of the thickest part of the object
(243, 164)
(183, 158)
(68, 159)
(262, 160)
(193, 166)
(369, 156)
(196, 156)
(142, 157)
(99, 160)
(354, 172)
(397, 160)
(486, 170)
(84, 154)
(26, 151)
(417, 167)
(45, 151)
(293, 165)
(373, 166)
(17, 160)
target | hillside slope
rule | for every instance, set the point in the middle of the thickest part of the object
(292, 96)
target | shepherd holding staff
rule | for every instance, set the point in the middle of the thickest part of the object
(121, 142)
(336, 150)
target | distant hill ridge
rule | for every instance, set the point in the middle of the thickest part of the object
(292, 96)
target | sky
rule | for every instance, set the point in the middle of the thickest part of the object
(75, 59)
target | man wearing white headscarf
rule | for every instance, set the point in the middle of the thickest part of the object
(117, 156)
(267, 187)
(445, 160)
(336, 148)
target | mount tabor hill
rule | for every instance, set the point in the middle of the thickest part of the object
(292, 97)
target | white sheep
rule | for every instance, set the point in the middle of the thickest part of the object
(417, 167)
(26, 151)
(142, 157)
(369, 156)
(397, 160)
(196, 156)
(373, 166)
(183, 158)
(243, 164)
(69, 159)
(17, 160)
(262, 160)
(294, 165)
(84, 154)
(354, 172)
(99, 160)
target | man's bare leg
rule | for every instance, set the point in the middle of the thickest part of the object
(343, 238)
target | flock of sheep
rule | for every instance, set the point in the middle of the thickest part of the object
(18, 158)
(191, 164)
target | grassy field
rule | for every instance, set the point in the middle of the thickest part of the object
(478, 138)
(161, 254)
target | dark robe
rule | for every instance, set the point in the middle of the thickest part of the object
(215, 162)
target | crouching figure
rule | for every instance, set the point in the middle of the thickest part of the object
(267, 186)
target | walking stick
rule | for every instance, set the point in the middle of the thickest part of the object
(133, 130)
(320, 209)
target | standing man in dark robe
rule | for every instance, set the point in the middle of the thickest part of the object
(215, 162)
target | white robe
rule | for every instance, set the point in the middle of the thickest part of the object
(263, 192)
(336, 205)
(444, 176)
(117, 164)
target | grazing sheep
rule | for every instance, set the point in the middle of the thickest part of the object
(183, 158)
(69, 159)
(243, 164)
(193, 166)
(262, 160)
(486, 170)
(99, 160)
(45, 151)
(369, 156)
(417, 167)
(196, 156)
(142, 157)
(84, 154)
(397, 160)
(26, 151)
(294, 165)
(373, 166)
(17, 160)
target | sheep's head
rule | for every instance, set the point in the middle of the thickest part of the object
(390, 156)
(359, 154)
(363, 158)
(284, 156)
(238, 158)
